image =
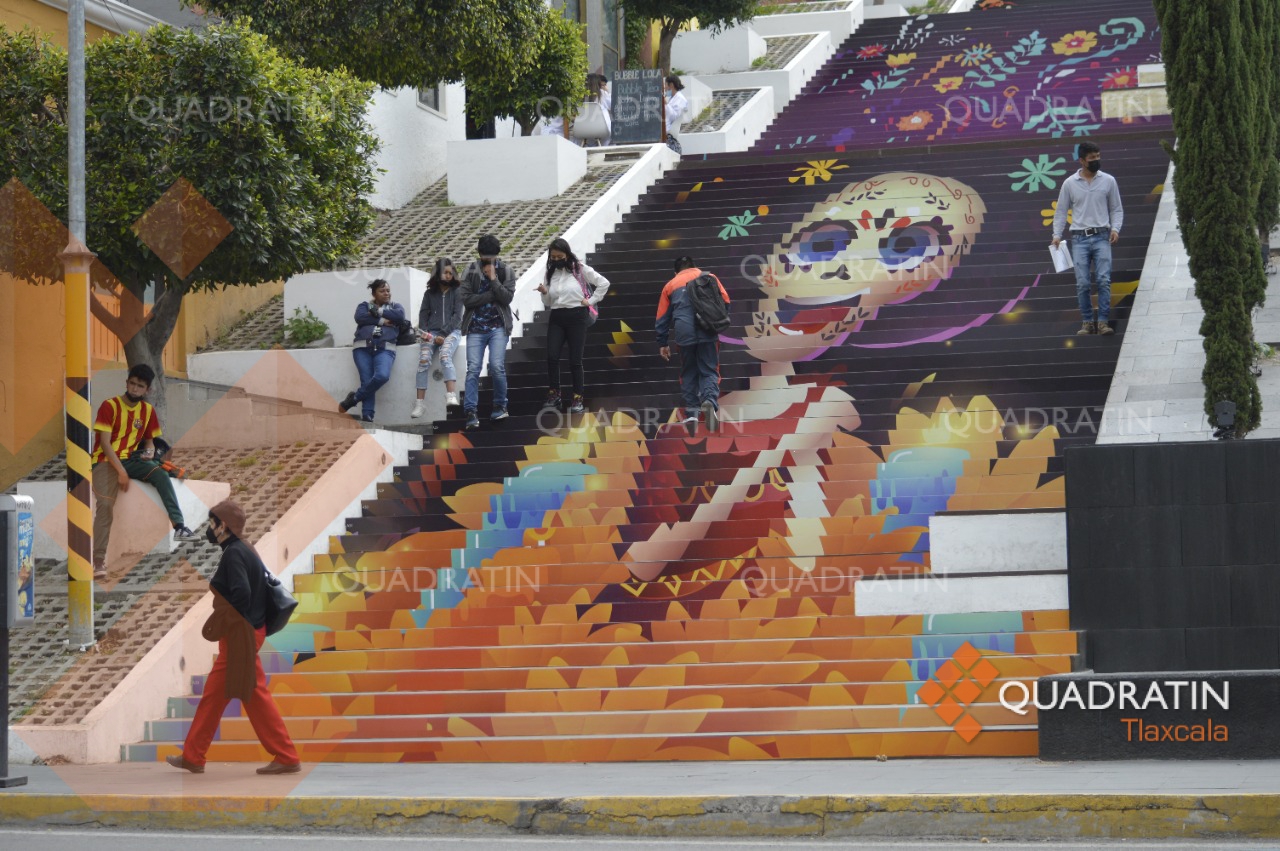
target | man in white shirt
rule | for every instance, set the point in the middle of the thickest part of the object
(1093, 199)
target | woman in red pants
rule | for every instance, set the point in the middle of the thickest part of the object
(238, 624)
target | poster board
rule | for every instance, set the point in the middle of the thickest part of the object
(638, 113)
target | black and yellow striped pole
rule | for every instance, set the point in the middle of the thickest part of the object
(76, 261)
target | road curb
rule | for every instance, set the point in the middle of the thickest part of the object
(996, 816)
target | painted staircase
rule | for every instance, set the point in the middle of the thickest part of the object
(621, 585)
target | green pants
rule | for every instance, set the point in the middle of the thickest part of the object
(106, 488)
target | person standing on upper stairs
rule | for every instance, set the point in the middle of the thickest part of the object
(488, 286)
(570, 291)
(699, 346)
(1092, 197)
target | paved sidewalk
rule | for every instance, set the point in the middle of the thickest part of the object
(996, 798)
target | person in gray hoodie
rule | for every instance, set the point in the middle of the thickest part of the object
(440, 323)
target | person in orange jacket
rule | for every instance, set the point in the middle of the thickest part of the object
(699, 347)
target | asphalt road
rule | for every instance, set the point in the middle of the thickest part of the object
(111, 840)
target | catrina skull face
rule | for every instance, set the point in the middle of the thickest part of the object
(877, 242)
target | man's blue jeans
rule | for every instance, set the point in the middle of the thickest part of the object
(1095, 250)
(700, 375)
(375, 371)
(495, 341)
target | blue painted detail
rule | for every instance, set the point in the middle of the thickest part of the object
(521, 506)
(917, 483)
(973, 622)
(295, 638)
(930, 652)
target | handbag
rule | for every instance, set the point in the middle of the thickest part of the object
(592, 313)
(280, 603)
(409, 336)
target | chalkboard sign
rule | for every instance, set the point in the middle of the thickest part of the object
(638, 112)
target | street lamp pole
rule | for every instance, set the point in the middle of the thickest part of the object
(79, 418)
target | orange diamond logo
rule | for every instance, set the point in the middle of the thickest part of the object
(182, 228)
(956, 684)
(968, 728)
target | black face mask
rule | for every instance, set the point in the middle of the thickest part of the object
(1094, 166)
(212, 538)
(558, 265)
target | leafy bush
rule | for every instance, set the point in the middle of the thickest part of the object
(304, 327)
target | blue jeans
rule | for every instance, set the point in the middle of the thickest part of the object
(495, 341)
(700, 375)
(375, 370)
(1095, 249)
(427, 353)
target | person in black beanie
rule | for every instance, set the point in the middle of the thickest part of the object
(239, 625)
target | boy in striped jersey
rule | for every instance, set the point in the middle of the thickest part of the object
(126, 427)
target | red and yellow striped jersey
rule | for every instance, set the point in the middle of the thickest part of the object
(125, 426)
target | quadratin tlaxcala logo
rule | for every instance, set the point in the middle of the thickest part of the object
(954, 687)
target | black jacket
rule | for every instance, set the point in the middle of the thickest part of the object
(241, 580)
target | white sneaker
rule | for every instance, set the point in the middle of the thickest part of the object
(419, 408)
(451, 400)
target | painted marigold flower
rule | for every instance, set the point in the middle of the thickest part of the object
(1079, 41)
(915, 121)
(948, 84)
(1121, 78)
(897, 60)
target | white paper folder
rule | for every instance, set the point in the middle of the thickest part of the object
(1061, 257)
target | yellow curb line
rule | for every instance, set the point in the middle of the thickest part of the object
(1006, 816)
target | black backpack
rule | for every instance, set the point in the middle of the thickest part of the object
(709, 307)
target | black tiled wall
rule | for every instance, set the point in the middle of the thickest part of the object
(1174, 555)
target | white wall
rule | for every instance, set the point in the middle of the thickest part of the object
(334, 371)
(887, 10)
(526, 168)
(786, 82)
(740, 132)
(839, 22)
(333, 296)
(703, 51)
(413, 137)
(1030, 541)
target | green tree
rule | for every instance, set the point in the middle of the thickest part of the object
(673, 17)
(398, 43)
(1215, 114)
(283, 153)
(1265, 51)
(554, 83)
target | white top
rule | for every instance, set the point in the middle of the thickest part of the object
(565, 291)
(677, 106)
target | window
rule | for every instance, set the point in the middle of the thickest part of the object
(432, 98)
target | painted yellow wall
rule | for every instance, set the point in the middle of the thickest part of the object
(206, 316)
(51, 22)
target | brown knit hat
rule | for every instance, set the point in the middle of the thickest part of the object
(231, 515)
